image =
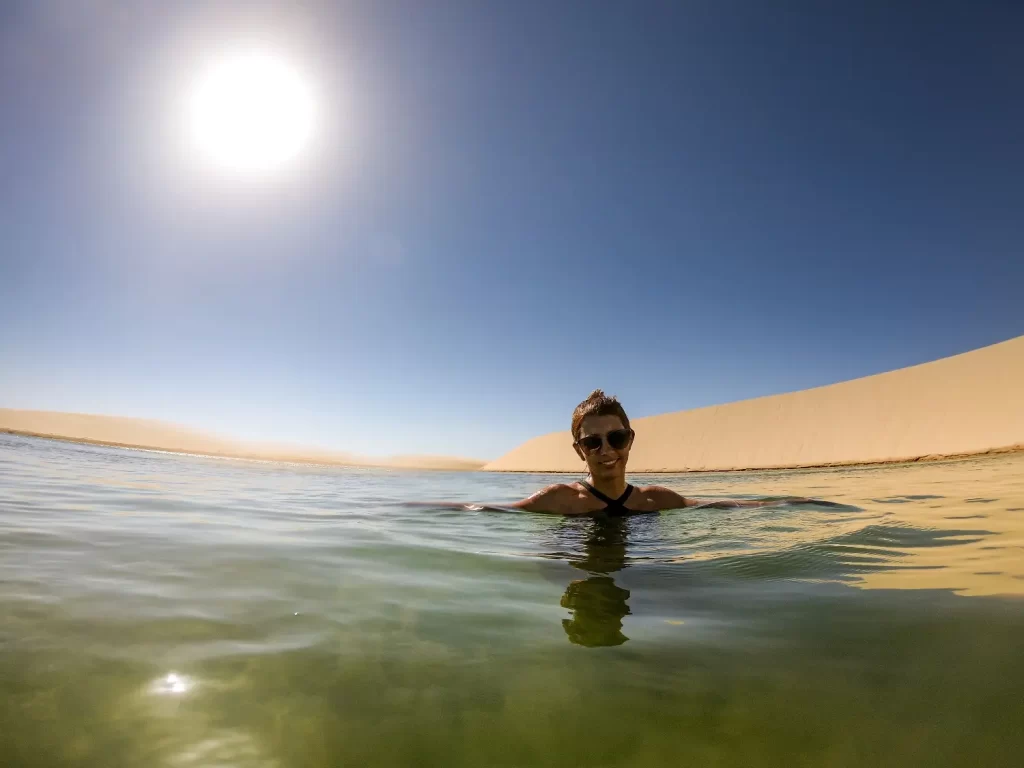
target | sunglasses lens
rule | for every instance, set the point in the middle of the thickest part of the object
(618, 438)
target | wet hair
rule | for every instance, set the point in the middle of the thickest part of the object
(597, 404)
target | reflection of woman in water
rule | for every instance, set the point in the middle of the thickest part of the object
(602, 438)
(597, 603)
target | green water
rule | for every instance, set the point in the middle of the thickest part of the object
(161, 610)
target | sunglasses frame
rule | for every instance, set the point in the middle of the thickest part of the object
(605, 438)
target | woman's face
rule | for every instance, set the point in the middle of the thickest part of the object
(604, 462)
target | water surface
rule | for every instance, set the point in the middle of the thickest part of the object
(166, 610)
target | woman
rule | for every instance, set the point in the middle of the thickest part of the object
(602, 438)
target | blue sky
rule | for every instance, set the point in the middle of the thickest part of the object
(507, 205)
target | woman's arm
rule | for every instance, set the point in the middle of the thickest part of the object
(555, 499)
(666, 498)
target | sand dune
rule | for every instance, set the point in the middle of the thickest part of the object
(968, 404)
(962, 405)
(143, 433)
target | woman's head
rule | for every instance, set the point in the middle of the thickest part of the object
(601, 434)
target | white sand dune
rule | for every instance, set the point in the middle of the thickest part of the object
(967, 404)
(143, 433)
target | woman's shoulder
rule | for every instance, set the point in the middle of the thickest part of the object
(558, 497)
(562, 488)
(657, 497)
(568, 492)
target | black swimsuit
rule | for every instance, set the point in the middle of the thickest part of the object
(616, 507)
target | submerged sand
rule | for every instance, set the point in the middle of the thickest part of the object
(964, 405)
(144, 433)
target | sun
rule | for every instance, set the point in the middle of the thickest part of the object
(251, 112)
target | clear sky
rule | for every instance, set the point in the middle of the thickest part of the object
(504, 205)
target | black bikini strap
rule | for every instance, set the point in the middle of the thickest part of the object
(608, 499)
(625, 495)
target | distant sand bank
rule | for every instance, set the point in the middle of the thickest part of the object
(964, 405)
(126, 432)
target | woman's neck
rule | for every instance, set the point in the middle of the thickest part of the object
(612, 487)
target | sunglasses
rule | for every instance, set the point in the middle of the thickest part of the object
(617, 440)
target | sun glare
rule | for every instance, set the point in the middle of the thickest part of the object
(251, 112)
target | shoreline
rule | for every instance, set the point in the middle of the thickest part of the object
(929, 458)
(264, 458)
